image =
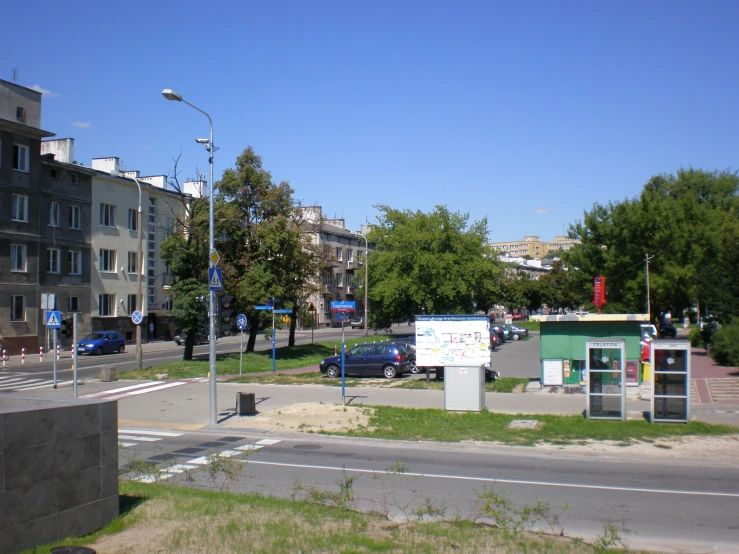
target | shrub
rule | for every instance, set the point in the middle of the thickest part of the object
(725, 344)
(696, 338)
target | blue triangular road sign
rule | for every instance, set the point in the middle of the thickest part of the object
(215, 280)
(52, 320)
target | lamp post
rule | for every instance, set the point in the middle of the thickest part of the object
(169, 94)
(140, 293)
(366, 281)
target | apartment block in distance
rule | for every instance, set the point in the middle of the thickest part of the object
(533, 247)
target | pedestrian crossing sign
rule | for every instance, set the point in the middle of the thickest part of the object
(53, 319)
(215, 278)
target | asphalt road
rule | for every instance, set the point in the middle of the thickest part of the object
(665, 504)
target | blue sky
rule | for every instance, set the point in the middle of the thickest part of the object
(524, 112)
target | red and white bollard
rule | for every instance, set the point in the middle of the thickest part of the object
(335, 352)
(58, 350)
(40, 353)
(5, 357)
(23, 356)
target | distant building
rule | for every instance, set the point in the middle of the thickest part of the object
(533, 247)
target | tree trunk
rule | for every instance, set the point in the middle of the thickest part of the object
(293, 323)
(189, 343)
(252, 336)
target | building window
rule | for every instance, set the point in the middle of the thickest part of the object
(132, 262)
(75, 262)
(327, 279)
(339, 279)
(349, 255)
(73, 178)
(53, 214)
(152, 214)
(349, 280)
(133, 220)
(169, 304)
(19, 207)
(53, 255)
(20, 113)
(360, 256)
(20, 158)
(107, 215)
(17, 310)
(106, 305)
(73, 304)
(107, 260)
(17, 257)
(131, 306)
(54, 173)
(74, 217)
(339, 253)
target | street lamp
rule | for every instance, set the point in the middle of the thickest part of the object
(169, 94)
(366, 280)
(140, 303)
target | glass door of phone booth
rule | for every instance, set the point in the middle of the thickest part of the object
(670, 381)
(604, 383)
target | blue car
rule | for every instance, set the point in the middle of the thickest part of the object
(102, 341)
(364, 360)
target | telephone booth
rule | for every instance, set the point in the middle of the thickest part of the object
(604, 379)
(670, 359)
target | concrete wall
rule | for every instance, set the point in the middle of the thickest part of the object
(58, 469)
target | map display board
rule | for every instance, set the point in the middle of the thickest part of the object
(446, 340)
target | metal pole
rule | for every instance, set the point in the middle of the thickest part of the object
(343, 375)
(274, 364)
(54, 356)
(74, 354)
(139, 268)
(212, 295)
(649, 307)
(241, 350)
(366, 281)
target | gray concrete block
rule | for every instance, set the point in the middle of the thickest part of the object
(28, 535)
(109, 416)
(109, 509)
(108, 374)
(30, 502)
(108, 447)
(78, 454)
(28, 428)
(2, 433)
(76, 421)
(79, 521)
(78, 489)
(109, 480)
(3, 523)
(29, 465)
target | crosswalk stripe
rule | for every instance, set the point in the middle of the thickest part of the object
(144, 391)
(49, 384)
(267, 442)
(137, 438)
(155, 433)
(121, 389)
(126, 444)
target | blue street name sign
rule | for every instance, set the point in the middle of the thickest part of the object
(343, 306)
(215, 278)
(283, 311)
(53, 319)
(137, 317)
(241, 321)
(263, 307)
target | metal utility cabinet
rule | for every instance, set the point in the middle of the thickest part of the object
(464, 388)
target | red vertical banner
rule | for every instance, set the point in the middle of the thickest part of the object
(599, 292)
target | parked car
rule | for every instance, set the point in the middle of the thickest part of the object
(357, 323)
(501, 332)
(516, 332)
(495, 341)
(101, 342)
(518, 316)
(409, 343)
(364, 360)
(200, 338)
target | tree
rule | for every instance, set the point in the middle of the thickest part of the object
(431, 263)
(688, 222)
(265, 241)
(558, 288)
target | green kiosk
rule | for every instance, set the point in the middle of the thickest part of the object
(564, 345)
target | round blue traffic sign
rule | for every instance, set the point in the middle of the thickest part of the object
(137, 317)
(241, 321)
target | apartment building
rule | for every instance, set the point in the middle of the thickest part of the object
(344, 252)
(533, 247)
(44, 241)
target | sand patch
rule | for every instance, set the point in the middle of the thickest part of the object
(306, 417)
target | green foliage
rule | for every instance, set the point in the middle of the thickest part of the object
(559, 288)
(430, 263)
(725, 344)
(688, 222)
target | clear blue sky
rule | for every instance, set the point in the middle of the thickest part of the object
(524, 112)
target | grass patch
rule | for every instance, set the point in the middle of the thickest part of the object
(287, 357)
(507, 384)
(388, 422)
(315, 378)
(530, 325)
(173, 519)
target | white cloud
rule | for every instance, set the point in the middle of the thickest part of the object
(540, 211)
(81, 124)
(45, 91)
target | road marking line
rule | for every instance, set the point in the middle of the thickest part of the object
(125, 444)
(19, 383)
(121, 389)
(152, 389)
(155, 433)
(267, 442)
(49, 384)
(247, 447)
(142, 439)
(494, 480)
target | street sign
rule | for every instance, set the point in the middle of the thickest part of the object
(214, 258)
(53, 319)
(241, 321)
(272, 301)
(283, 311)
(343, 306)
(263, 307)
(137, 317)
(215, 278)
